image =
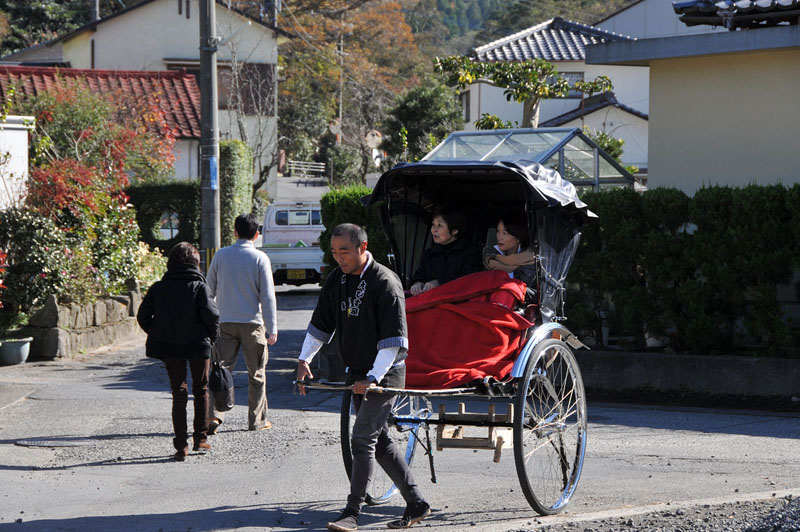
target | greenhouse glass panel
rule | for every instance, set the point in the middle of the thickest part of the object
(613, 186)
(608, 170)
(528, 146)
(466, 147)
(572, 172)
(578, 160)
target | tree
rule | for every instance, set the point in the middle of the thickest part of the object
(526, 82)
(427, 114)
(380, 59)
(115, 132)
(36, 21)
(253, 108)
(489, 121)
(520, 14)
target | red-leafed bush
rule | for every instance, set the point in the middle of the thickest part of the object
(67, 185)
(86, 148)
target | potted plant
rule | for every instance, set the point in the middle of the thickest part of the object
(12, 350)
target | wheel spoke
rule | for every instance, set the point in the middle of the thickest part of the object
(550, 427)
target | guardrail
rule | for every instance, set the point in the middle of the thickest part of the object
(306, 169)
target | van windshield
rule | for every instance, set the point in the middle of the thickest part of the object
(287, 217)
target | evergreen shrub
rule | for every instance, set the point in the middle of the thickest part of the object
(344, 205)
(154, 199)
(703, 272)
(235, 185)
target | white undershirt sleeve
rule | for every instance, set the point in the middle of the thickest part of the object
(383, 361)
(311, 347)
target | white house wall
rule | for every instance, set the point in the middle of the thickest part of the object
(724, 119)
(630, 87)
(649, 19)
(187, 159)
(622, 125)
(488, 99)
(14, 159)
(144, 37)
(631, 83)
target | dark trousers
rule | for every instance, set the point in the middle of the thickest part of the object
(370, 442)
(176, 369)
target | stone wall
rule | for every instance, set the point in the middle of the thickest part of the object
(62, 331)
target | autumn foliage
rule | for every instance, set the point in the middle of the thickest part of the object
(77, 236)
(67, 185)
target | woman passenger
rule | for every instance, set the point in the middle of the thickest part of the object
(450, 256)
(512, 254)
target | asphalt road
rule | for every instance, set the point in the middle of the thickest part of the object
(86, 445)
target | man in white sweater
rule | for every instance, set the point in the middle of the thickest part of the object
(240, 278)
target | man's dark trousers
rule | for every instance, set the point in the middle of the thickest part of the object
(370, 442)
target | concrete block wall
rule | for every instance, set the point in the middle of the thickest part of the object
(62, 331)
(716, 375)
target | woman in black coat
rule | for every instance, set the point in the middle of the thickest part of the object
(181, 320)
(450, 256)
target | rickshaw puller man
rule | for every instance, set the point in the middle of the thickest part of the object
(362, 302)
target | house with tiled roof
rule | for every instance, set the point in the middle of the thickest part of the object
(648, 19)
(563, 43)
(737, 14)
(158, 35)
(175, 92)
(723, 105)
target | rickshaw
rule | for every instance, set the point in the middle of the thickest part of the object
(545, 422)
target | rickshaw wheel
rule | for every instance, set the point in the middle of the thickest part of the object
(382, 489)
(550, 427)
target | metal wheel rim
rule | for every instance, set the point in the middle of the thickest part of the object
(550, 427)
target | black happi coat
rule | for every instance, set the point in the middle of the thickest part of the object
(444, 263)
(367, 313)
(179, 315)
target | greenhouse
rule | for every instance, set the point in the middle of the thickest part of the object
(567, 150)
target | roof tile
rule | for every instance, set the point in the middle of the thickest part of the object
(554, 40)
(175, 91)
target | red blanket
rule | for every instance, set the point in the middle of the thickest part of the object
(464, 330)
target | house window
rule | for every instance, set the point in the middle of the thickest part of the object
(256, 85)
(464, 100)
(256, 91)
(168, 225)
(572, 77)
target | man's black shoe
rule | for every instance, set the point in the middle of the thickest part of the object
(414, 513)
(347, 522)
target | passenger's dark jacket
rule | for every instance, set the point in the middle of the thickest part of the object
(179, 315)
(444, 263)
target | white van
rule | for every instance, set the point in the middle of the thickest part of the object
(292, 223)
(290, 238)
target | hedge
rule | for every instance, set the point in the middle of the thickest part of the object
(235, 185)
(702, 271)
(344, 205)
(153, 199)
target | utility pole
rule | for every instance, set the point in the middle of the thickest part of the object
(341, 82)
(209, 141)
